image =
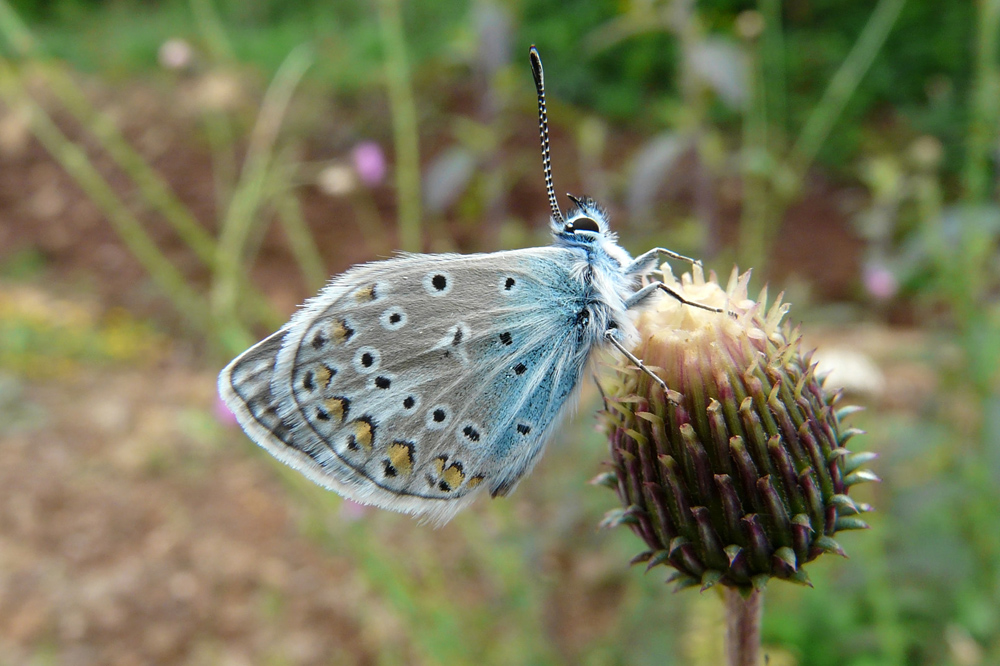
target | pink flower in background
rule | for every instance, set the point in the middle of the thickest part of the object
(223, 414)
(369, 162)
(880, 282)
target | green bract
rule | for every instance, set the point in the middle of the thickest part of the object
(741, 472)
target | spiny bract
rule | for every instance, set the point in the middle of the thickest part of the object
(740, 473)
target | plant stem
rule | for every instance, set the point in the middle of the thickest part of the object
(984, 107)
(404, 124)
(210, 25)
(844, 83)
(758, 223)
(248, 198)
(76, 163)
(772, 72)
(743, 615)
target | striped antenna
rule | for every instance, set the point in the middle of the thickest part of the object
(543, 131)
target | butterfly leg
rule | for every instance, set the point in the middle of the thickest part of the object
(610, 336)
(642, 263)
(647, 291)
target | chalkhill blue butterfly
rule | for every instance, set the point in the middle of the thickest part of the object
(419, 382)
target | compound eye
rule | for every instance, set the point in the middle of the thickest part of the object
(583, 224)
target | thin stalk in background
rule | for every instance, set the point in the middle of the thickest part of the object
(757, 156)
(300, 240)
(786, 176)
(75, 161)
(221, 141)
(210, 24)
(246, 203)
(843, 84)
(404, 125)
(154, 191)
(15, 31)
(985, 104)
(772, 68)
(967, 276)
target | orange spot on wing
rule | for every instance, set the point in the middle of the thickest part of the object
(365, 294)
(401, 457)
(336, 408)
(453, 476)
(363, 434)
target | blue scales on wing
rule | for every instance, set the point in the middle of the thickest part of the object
(415, 385)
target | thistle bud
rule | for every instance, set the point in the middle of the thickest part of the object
(739, 471)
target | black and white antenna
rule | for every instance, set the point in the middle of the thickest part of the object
(543, 131)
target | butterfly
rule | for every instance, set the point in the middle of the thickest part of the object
(420, 382)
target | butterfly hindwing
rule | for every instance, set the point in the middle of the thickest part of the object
(415, 383)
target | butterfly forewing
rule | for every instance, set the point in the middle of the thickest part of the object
(408, 384)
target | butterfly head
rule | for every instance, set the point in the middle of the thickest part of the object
(586, 224)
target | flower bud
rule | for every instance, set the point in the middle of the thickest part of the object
(739, 472)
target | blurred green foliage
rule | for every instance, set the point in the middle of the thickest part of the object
(922, 587)
(922, 74)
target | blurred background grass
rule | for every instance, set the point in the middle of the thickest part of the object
(176, 176)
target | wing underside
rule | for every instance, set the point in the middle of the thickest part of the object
(418, 382)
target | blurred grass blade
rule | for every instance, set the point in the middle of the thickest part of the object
(154, 190)
(404, 125)
(301, 241)
(222, 140)
(772, 67)
(844, 83)
(249, 196)
(984, 104)
(78, 165)
(15, 31)
(210, 25)
(152, 187)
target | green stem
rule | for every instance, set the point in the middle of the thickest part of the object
(772, 68)
(743, 617)
(14, 30)
(985, 104)
(404, 125)
(81, 169)
(210, 25)
(221, 142)
(757, 224)
(843, 84)
(153, 189)
(301, 241)
(248, 198)
(369, 223)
